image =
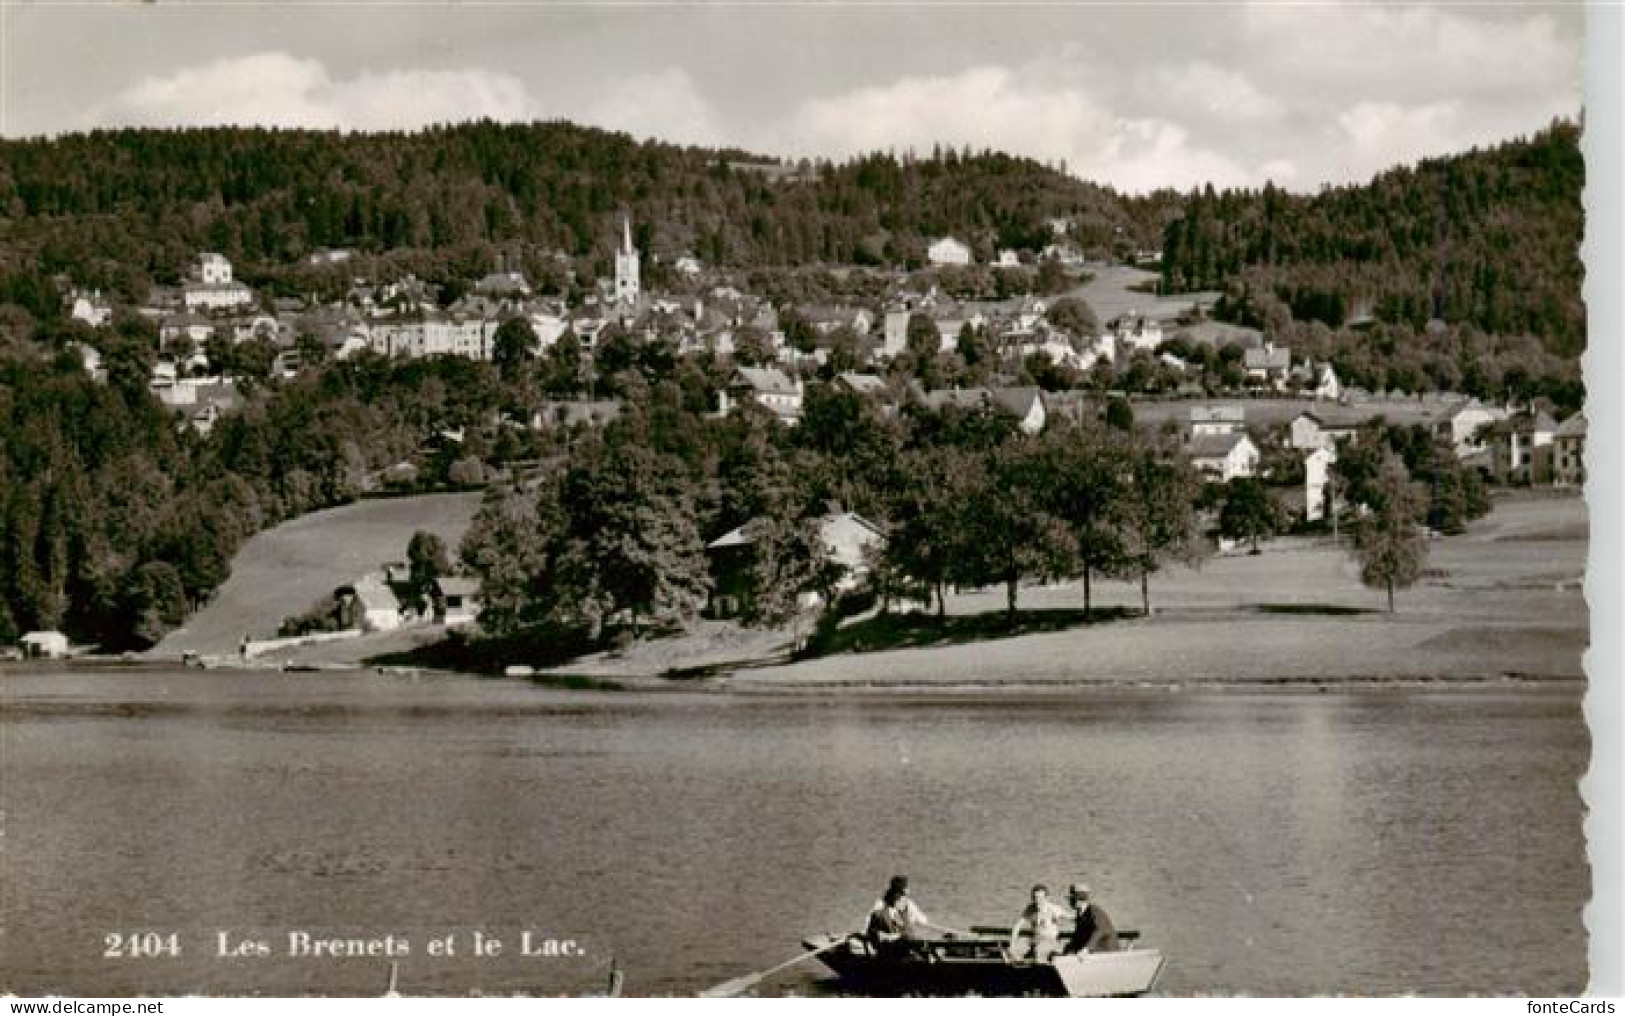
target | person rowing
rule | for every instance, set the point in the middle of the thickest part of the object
(897, 920)
(1093, 930)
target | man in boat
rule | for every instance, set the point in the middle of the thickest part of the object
(1093, 930)
(1040, 922)
(896, 920)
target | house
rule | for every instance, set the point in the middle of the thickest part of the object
(1224, 457)
(457, 599)
(1317, 471)
(1217, 421)
(44, 645)
(1026, 404)
(769, 388)
(1460, 426)
(213, 287)
(1309, 431)
(91, 308)
(1528, 457)
(849, 540)
(379, 609)
(1267, 365)
(872, 385)
(1007, 259)
(1568, 452)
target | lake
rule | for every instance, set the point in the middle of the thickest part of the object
(1361, 841)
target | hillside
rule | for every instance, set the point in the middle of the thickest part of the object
(1488, 238)
(119, 209)
(282, 571)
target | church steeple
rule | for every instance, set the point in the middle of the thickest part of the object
(626, 266)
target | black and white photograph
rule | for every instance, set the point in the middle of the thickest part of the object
(805, 499)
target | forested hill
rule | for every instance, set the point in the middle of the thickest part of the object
(1489, 238)
(136, 205)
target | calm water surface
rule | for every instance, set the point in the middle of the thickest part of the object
(1366, 841)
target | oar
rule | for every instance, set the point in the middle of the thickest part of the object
(738, 984)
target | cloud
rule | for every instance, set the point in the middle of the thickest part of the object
(1225, 94)
(1034, 111)
(277, 89)
(662, 104)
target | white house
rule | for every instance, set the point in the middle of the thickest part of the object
(214, 288)
(1224, 457)
(47, 645)
(1007, 259)
(1317, 468)
(91, 308)
(1460, 426)
(948, 251)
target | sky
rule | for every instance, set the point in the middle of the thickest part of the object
(1135, 96)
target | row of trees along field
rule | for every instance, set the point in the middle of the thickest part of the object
(1460, 273)
(613, 540)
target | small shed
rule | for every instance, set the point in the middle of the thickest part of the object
(45, 645)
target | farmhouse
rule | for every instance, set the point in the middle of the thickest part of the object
(1224, 457)
(847, 538)
(1460, 426)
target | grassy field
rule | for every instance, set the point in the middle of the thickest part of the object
(1501, 601)
(282, 571)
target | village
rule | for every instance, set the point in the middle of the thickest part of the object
(1240, 405)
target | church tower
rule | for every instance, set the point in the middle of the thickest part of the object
(626, 267)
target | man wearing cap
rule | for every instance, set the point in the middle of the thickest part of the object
(1094, 931)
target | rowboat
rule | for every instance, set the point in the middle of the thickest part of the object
(981, 964)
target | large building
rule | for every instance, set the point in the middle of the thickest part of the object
(626, 267)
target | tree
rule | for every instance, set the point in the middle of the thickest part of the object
(1388, 543)
(1250, 513)
(1074, 316)
(1159, 519)
(155, 601)
(1087, 493)
(513, 347)
(511, 545)
(634, 542)
(426, 561)
(1007, 531)
(926, 541)
(1119, 414)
